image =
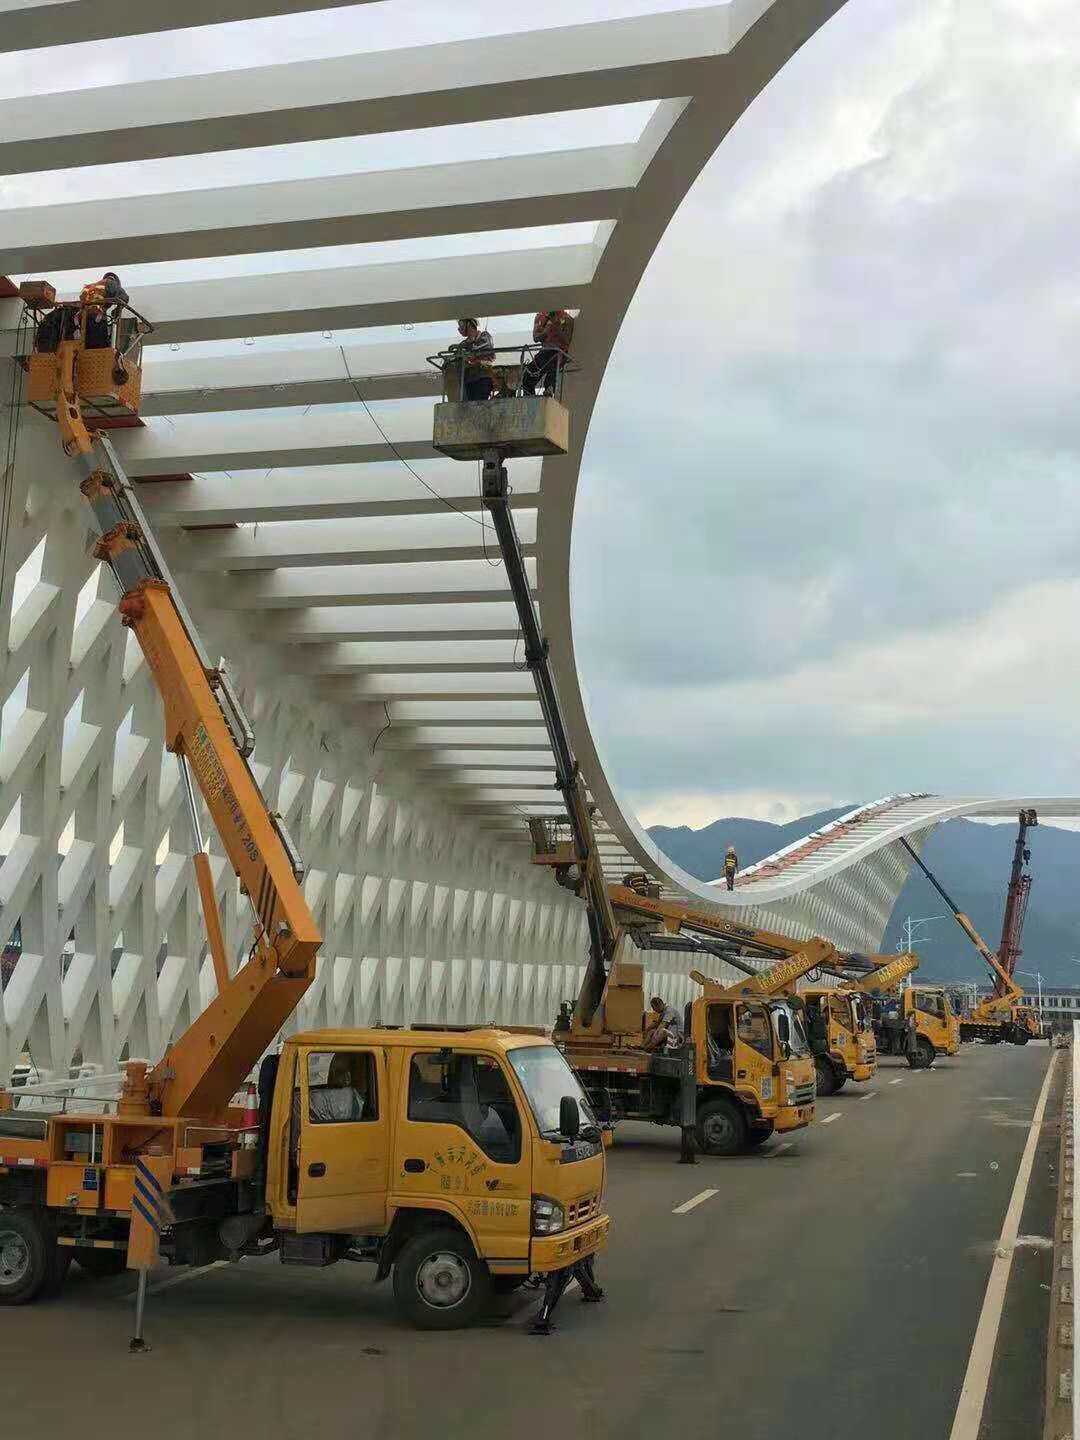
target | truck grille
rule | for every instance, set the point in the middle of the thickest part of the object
(804, 1094)
(579, 1211)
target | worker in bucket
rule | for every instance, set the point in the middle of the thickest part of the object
(553, 331)
(666, 1028)
(475, 352)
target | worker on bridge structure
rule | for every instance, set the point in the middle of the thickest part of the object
(731, 866)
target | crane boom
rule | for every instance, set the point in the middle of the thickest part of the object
(1004, 985)
(1016, 900)
(776, 980)
(676, 915)
(886, 977)
(205, 727)
(603, 934)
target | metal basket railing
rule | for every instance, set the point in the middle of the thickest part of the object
(501, 372)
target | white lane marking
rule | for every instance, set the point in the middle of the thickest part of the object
(898, 1081)
(1070, 1099)
(185, 1277)
(969, 1410)
(830, 1118)
(967, 1175)
(867, 1094)
(694, 1200)
(785, 1146)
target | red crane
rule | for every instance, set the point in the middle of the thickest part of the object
(1016, 901)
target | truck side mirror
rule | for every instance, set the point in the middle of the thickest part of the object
(569, 1117)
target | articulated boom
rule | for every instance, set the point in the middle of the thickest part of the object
(676, 915)
(886, 977)
(778, 979)
(205, 728)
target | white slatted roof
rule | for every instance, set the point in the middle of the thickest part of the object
(303, 232)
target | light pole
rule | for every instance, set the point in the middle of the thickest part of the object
(1037, 977)
(910, 938)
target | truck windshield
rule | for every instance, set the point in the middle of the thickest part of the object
(546, 1078)
(788, 1025)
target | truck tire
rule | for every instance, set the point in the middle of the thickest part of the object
(923, 1056)
(721, 1127)
(438, 1281)
(31, 1262)
(841, 1081)
(1020, 1036)
(101, 1263)
(825, 1075)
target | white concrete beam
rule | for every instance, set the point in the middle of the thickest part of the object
(328, 492)
(262, 379)
(479, 655)
(456, 582)
(560, 187)
(481, 735)
(407, 540)
(353, 297)
(30, 24)
(434, 685)
(319, 625)
(610, 62)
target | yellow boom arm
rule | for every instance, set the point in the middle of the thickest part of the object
(885, 977)
(676, 916)
(778, 979)
(200, 1072)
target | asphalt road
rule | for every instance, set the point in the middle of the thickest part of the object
(830, 1289)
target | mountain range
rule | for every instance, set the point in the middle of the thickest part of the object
(970, 860)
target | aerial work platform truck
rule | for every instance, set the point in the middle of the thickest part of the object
(743, 1069)
(461, 1160)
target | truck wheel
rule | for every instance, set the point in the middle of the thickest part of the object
(841, 1081)
(825, 1074)
(31, 1263)
(721, 1128)
(102, 1263)
(923, 1056)
(438, 1281)
(1020, 1037)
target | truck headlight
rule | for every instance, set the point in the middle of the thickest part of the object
(548, 1216)
(789, 1080)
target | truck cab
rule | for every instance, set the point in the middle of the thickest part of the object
(755, 1071)
(917, 1022)
(841, 1037)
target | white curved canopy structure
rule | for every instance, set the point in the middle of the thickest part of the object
(301, 232)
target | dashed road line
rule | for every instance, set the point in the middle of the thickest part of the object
(694, 1201)
(899, 1080)
(830, 1118)
(786, 1145)
(867, 1094)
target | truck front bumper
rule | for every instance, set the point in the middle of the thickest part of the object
(793, 1117)
(864, 1070)
(555, 1252)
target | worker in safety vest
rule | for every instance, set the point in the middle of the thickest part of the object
(553, 331)
(731, 865)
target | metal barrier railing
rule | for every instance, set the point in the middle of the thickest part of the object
(494, 372)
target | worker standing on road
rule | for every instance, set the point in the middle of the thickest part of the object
(731, 865)
(478, 350)
(666, 1028)
(552, 331)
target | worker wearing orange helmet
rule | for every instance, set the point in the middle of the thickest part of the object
(553, 330)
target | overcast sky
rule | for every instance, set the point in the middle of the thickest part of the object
(826, 544)
(837, 555)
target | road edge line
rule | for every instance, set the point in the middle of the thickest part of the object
(969, 1408)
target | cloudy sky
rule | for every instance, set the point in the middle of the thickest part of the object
(847, 526)
(836, 555)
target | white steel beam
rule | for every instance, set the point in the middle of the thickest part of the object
(415, 540)
(457, 582)
(560, 187)
(319, 625)
(327, 492)
(30, 24)
(611, 62)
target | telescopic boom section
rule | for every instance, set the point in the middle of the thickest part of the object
(676, 915)
(602, 929)
(885, 977)
(199, 1074)
(1003, 982)
(1016, 899)
(778, 979)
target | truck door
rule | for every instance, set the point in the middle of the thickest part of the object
(754, 1049)
(842, 1036)
(340, 1133)
(463, 1142)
